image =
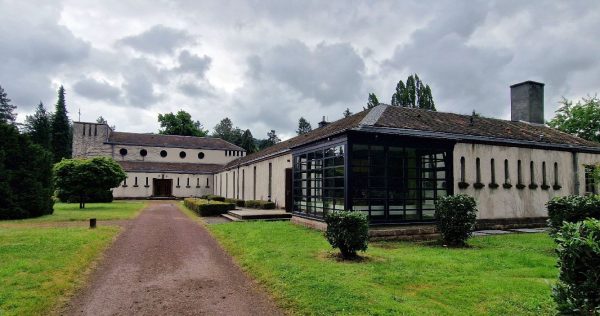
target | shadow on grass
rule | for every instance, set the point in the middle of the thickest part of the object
(336, 256)
(396, 244)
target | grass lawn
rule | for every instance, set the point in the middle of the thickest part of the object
(101, 211)
(39, 267)
(498, 275)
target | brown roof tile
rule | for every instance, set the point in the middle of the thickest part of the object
(157, 140)
(168, 167)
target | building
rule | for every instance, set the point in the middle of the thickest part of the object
(393, 163)
(156, 165)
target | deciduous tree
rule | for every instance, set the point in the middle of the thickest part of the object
(413, 94)
(180, 124)
(373, 101)
(581, 119)
(225, 130)
(248, 142)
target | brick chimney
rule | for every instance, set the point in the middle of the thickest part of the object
(527, 102)
(323, 122)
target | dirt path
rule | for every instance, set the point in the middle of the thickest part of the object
(166, 264)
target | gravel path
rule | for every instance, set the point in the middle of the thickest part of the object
(166, 264)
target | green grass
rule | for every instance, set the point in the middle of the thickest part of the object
(101, 211)
(498, 275)
(40, 267)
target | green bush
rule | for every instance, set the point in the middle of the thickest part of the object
(237, 202)
(578, 289)
(213, 197)
(264, 205)
(347, 231)
(206, 207)
(571, 209)
(456, 216)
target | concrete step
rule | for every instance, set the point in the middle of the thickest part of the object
(245, 214)
(231, 218)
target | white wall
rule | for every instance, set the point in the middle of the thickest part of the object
(141, 190)
(153, 155)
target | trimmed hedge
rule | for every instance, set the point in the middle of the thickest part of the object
(571, 209)
(578, 290)
(263, 205)
(207, 208)
(213, 197)
(456, 216)
(237, 202)
(348, 231)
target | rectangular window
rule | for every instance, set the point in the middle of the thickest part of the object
(270, 180)
(187, 184)
(254, 184)
(207, 185)
(135, 182)
(146, 182)
(506, 172)
(226, 184)
(590, 182)
(125, 183)
(243, 184)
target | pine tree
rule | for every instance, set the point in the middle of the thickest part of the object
(303, 126)
(225, 131)
(347, 112)
(248, 142)
(61, 129)
(373, 101)
(6, 109)
(38, 127)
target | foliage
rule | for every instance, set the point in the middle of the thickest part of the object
(501, 274)
(101, 196)
(413, 94)
(180, 123)
(61, 129)
(6, 108)
(213, 197)
(237, 202)
(571, 209)
(347, 112)
(303, 126)
(83, 177)
(225, 131)
(25, 176)
(347, 231)
(101, 120)
(271, 140)
(372, 101)
(455, 218)
(260, 204)
(208, 208)
(38, 127)
(248, 142)
(43, 265)
(581, 119)
(578, 289)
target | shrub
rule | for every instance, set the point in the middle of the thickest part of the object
(348, 231)
(206, 207)
(237, 202)
(578, 289)
(572, 208)
(456, 215)
(264, 205)
(213, 197)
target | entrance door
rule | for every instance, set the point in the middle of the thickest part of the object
(162, 187)
(288, 190)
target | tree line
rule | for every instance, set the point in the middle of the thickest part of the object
(410, 94)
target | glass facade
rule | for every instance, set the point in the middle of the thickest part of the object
(319, 178)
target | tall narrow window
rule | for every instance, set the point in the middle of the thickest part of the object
(254, 184)
(478, 184)
(233, 183)
(178, 182)
(532, 184)
(462, 169)
(493, 184)
(270, 178)
(243, 184)
(125, 182)
(95, 130)
(83, 129)
(520, 184)
(198, 182)
(506, 184)
(90, 130)
(146, 182)
(545, 185)
(556, 186)
(590, 181)
(135, 182)
(226, 184)
(208, 186)
(187, 184)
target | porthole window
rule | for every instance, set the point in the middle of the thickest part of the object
(182, 154)
(163, 153)
(143, 153)
(123, 151)
(200, 155)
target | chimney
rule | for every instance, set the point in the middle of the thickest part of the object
(323, 122)
(527, 102)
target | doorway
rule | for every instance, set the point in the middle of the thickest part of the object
(162, 187)
(288, 190)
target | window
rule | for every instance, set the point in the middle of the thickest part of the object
(207, 183)
(135, 182)
(556, 185)
(544, 178)
(590, 182)
(200, 155)
(270, 180)
(520, 184)
(83, 129)
(233, 182)
(493, 170)
(90, 130)
(187, 184)
(478, 170)
(243, 184)
(462, 169)
(123, 151)
(146, 185)
(163, 153)
(143, 153)
(125, 183)
(198, 182)
(532, 184)
(95, 130)
(506, 172)
(178, 182)
(226, 183)
(254, 184)
(182, 154)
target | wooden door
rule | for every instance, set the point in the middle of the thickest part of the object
(162, 187)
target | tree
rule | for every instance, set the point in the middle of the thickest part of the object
(180, 124)
(581, 119)
(38, 127)
(248, 142)
(6, 108)
(373, 101)
(25, 176)
(61, 129)
(225, 131)
(303, 126)
(84, 177)
(271, 140)
(413, 94)
(347, 112)
(101, 120)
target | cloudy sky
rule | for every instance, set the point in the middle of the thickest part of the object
(266, 63)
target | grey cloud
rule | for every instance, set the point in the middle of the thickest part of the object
(159, 39)
(140, 91)
(97, 90)
(189, 63)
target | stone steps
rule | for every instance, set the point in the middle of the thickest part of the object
(266, 215)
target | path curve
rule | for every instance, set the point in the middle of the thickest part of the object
(166, 264)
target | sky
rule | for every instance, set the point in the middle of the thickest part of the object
(266, 63)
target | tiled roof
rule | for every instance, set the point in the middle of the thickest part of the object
(157, 140)
(168, 167)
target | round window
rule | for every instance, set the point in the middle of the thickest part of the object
(163, 153)
(143, 153)
(200, 155)
(182, 154)
(123, 151)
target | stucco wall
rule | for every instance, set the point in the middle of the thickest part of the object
(243, 188)
(141, 190)
(153, 155)
(92, 143)
(516, 203)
